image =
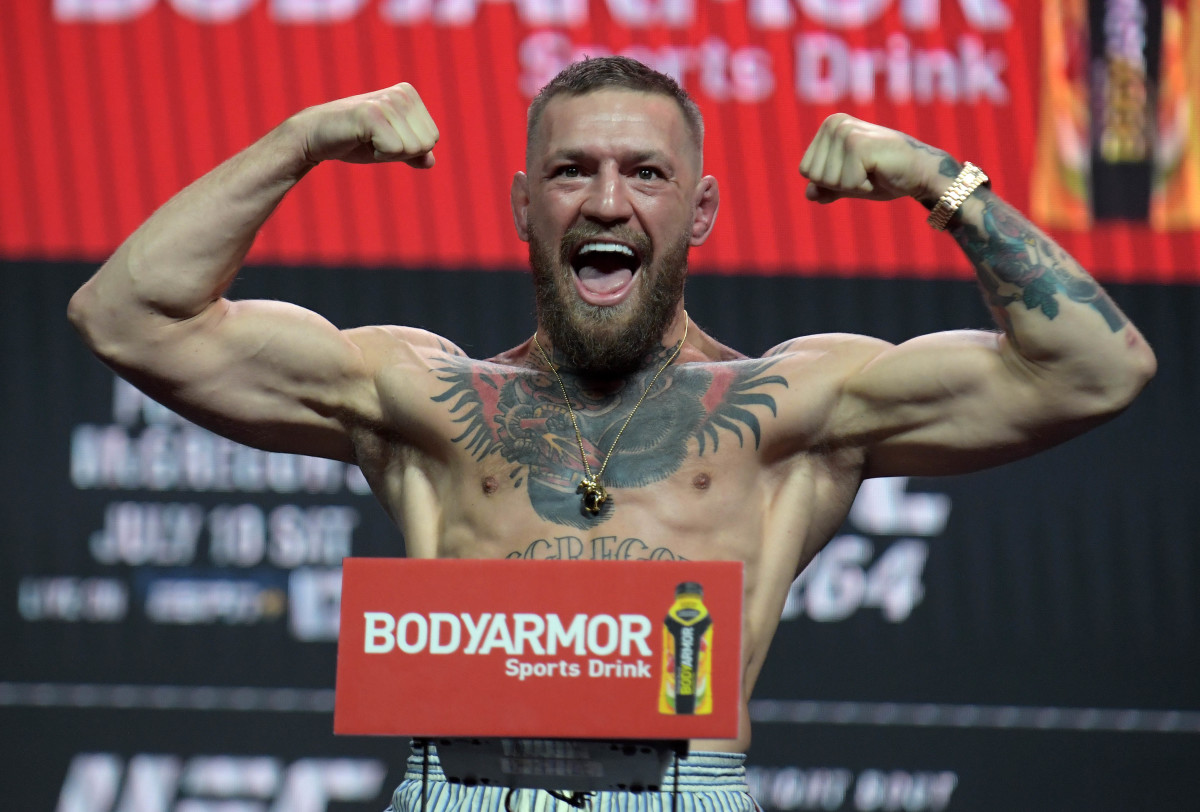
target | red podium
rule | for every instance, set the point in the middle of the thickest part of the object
(551, 674)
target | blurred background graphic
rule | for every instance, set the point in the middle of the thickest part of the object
(1026, 638)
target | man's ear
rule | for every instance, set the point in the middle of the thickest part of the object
(519, 197)
(704, 209)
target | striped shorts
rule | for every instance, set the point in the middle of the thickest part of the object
(708, 782)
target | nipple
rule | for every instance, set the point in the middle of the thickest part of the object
(701, 482)
(490, 485)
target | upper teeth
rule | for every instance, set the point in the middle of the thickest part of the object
(607, 247)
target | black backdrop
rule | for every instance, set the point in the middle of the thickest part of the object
(1022, 638)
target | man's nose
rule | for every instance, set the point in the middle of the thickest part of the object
(608, 200)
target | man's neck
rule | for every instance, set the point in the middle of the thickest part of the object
(671, 344)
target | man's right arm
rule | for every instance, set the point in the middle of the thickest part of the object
(266, 373)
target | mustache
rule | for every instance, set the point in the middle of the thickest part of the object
(580, 233)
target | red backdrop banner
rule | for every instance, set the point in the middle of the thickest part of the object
(109, 106)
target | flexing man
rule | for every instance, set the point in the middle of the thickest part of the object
(619, 414)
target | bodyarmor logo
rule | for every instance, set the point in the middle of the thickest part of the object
(103, 782)
(445, 633)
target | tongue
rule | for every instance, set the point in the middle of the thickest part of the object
(602, 281)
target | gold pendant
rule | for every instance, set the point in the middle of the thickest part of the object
(594, 495)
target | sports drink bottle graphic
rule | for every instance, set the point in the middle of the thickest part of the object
(1118, 136)
(687, 654)
(1125, 41)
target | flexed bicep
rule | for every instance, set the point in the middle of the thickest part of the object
(952, 402)
(268, 374)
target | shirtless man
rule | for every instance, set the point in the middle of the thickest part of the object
(687, 445)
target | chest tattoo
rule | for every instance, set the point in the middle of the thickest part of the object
(519, 416)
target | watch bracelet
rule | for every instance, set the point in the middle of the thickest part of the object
(969, 178)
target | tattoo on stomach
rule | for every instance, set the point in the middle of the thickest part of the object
(600, 548)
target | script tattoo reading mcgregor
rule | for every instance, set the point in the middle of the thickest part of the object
(520, 415)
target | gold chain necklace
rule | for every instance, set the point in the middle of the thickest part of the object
(591, 491)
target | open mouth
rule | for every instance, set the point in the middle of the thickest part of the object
(604, 269)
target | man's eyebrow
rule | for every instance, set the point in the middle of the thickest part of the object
(575, 155)
(572, 155)
(649, 156)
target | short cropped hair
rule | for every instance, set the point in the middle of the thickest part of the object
(609, 73)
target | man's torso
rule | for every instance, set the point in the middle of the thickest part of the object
(477, 459)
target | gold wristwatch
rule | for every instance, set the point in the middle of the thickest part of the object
(969, 179)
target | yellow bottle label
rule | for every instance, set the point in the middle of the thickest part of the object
(687, 658)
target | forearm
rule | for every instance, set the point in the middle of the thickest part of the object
(181, 260)
(1056, 317)
(1053, 314)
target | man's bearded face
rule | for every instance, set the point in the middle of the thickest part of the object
(606, 340)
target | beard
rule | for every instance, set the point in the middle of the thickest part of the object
(606, 341)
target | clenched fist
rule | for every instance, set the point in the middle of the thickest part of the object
(853, 158)
(387, 125)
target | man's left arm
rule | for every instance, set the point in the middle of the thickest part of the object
(1066, 358)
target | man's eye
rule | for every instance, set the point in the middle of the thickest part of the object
(568, 172)
(648, 173)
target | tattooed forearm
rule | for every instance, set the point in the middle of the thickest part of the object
(947, 168)
(923, 147)
(1017, 263)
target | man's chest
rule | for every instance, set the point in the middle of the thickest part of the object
(507, 463)
(551, 435)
